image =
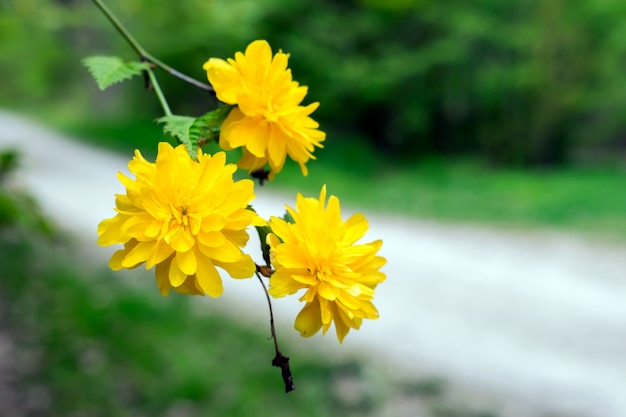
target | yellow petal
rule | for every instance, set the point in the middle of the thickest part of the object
(115, 263)
(208, 278)
(251, 162)
(251, 132)
(325, 310)
(109, 231)
(211, 239)
(292, 256)
(356, 226)
(224, 78)
(181, 240)
(326, 291)
(258, 221)
(282, 229)
(161, 252)
(228, 252)
(277, 148)
(341, 326)
(234, 117)
(162, 277)
(237, 237)
(243, 268)
(139, 254)
(189, 287)
(282, 284)
(259, 51)
(308, 322)
(187, 262)
(176, 276)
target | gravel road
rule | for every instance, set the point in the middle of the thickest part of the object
(534, 320)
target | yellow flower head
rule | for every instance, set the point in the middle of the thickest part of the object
(318, 252)
(184, 216)
(269, 122)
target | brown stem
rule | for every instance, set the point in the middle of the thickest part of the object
(280, 361)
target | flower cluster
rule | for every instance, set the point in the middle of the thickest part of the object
(268, 123)
(186, 216)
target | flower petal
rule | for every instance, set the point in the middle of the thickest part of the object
(139, 254)
(186, 262)
(308, 322)
(162, 277)
(244, 268)
(208, 278)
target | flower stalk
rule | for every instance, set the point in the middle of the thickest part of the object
(154, 84)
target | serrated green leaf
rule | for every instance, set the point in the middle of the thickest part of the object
(178, 127)
(195, 132)
(206, 128)
(108, 70)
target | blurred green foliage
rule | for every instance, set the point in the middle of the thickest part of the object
(585, 200)
(17, 208)
(522, 82)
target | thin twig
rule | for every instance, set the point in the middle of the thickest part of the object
(269, 303)
(281, 361)
(144, 54)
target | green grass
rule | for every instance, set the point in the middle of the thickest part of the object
(590, 200)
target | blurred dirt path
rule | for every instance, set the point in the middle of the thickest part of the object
(534, 320)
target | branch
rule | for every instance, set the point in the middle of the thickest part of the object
(280, 361)
(144, 55)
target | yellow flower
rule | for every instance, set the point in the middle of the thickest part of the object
(184, 216)
(318, 252)
(269, 122)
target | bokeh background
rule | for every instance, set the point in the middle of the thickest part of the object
(530, 83)
(507, 114)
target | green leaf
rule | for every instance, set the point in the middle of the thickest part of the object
(195, 132)
(108, 70)
(263, 231)
(206, 128)
(178, 127)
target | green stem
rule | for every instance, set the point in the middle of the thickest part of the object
(159, 92)
(144, 54)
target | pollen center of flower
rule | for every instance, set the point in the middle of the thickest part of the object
(184, 215)
(181, 216)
